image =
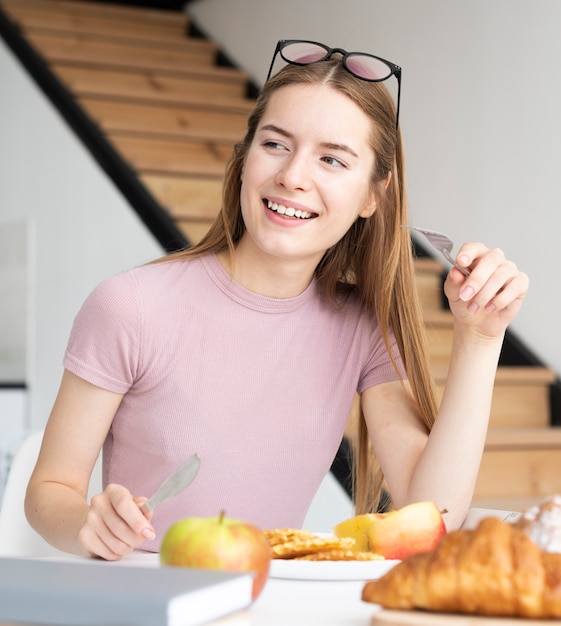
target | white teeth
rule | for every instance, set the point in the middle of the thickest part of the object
(289, 211)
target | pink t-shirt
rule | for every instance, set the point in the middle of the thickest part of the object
(259, 387)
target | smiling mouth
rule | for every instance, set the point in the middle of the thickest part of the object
(289, 211)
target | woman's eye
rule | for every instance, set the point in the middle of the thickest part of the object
(274, 145)
(333, 161)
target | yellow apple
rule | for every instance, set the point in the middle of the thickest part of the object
(357, 528)
(417, 527)
(218, 543)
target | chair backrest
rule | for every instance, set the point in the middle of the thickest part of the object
(17, 538)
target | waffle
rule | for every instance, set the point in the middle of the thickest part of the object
(292, 543)
(280, 536)
(338, 554)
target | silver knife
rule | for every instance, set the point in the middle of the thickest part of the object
(175, 483)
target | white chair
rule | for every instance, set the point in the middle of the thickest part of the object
(17, 538)
(330, 506)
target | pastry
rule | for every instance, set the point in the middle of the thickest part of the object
(542, 523)
(494, 570)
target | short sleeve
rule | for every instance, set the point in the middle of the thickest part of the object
(378, 367)
(104, 347)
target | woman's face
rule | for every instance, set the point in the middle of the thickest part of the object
(307, 174)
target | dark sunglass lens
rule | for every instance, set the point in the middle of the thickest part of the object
(303, 53)
(367, 67)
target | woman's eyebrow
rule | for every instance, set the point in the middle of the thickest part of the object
(276, 129)
(327, 144)
(340, 146)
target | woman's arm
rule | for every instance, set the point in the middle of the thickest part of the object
(56, 501)
(443, 466)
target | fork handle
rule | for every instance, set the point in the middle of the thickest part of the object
(448, 257)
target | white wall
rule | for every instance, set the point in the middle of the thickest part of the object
(481, 102)
(79, 229)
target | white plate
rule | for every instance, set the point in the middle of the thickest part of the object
(329, 570)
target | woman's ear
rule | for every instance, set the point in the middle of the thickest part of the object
(388, 180)
(372, 204)
(369, 209)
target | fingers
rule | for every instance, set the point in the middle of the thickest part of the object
(494, 285)
(114, 524)
(494, 282)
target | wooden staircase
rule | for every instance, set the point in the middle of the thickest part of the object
(522, 459)
(156, 93)
(173, 115)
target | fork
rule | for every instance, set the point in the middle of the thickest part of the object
(442, 243)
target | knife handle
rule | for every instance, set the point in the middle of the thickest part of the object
(145, 508)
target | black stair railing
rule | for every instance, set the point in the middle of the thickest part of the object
(155, 217)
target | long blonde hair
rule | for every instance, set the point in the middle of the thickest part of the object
(375, 255)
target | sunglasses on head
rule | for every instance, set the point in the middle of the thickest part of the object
(360, 64)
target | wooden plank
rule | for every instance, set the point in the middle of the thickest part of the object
(439, 340)
(186, 198)
(194, 231)
(428, 265)
(42, 19)
(506, 504)
(123, 13)
(517, 406)
(510, 375)
(188, 60)
(429, 283)
(530, 473)
(165, 120)
(509, 439)
(175, 157)
(195, 89)
(520, 395)
(386, 617)
(430, 292)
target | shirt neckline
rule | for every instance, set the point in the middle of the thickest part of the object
(250, 299)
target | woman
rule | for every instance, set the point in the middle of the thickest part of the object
(250, 347)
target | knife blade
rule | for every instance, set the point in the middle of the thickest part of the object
(174, 484)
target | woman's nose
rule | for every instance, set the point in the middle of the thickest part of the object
(294, 173)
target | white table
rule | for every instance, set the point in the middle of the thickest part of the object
(290, 602)
(285, 602)
(306, 603)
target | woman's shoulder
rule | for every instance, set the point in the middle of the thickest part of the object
(159, 274)
(149, 282)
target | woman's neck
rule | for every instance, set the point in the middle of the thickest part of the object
(267, 275)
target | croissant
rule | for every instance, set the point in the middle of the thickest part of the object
(493, 570)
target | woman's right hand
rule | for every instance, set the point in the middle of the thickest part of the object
(114, 524)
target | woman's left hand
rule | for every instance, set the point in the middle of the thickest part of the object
(490, 297)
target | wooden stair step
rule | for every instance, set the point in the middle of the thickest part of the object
(510, 439)
(179, 157)
(212, 89)
(507, 504)
(428, 274)
(165, 120)
(193, 231)
(520, 464)
(521, 395)
(127, 14)
(77, 49)
(186, 198)
(439, 326)
(41, 19)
